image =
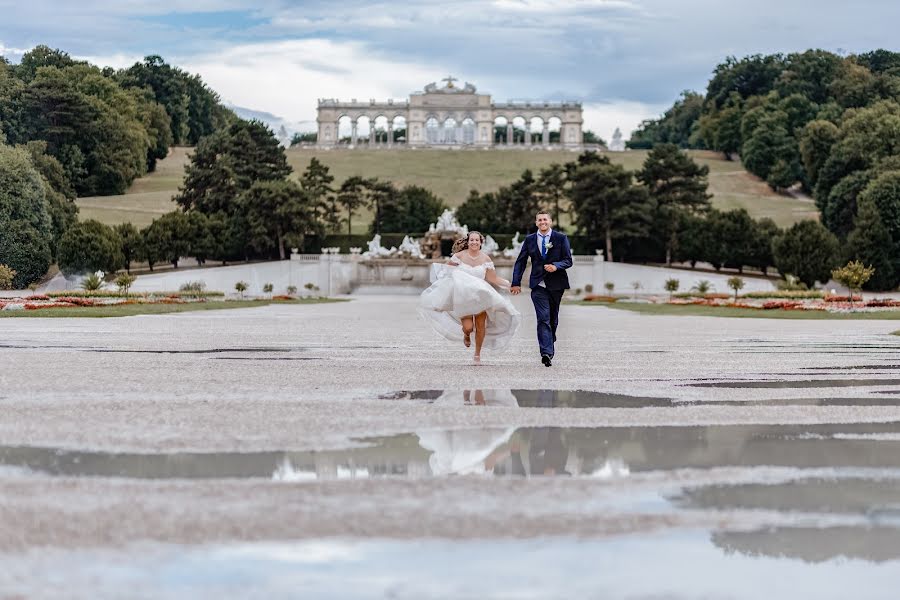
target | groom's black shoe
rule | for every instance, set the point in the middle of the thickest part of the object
(545, 358)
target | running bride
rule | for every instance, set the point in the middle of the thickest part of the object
(463, 299)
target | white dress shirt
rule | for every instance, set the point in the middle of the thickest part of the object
(541, 235)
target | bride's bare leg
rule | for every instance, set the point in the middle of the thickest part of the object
(480, 332)
(468, 325)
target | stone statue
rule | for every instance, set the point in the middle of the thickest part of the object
(410, 247)
(490, 247)
(513, 252)
(376, 250)
(447, 222)
(617, 145)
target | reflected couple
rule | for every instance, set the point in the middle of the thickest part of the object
(524, 451)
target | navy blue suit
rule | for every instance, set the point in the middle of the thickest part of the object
(546, 298)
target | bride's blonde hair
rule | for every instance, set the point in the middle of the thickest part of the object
(463, 243)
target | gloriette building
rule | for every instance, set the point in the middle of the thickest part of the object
(449, 116)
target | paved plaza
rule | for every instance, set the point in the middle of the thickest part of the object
(350, 429)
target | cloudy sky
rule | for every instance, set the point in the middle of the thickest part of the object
(626, 60)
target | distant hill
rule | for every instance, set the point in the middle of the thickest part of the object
(273, 121)
(450, 174)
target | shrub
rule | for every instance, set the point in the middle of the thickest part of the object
(292, 290)
(241, 287)
(791, 284)
(592, 298)
(7, 275)
(267, 288)
(854, 275)
(636, 285)
(193, 287)
(789, 294)
(123, 282)
(90, 246)
(672, 286)
(589, 288)
(703, 286)
(93, 282)
(735, 283)
(609, 286)
(807, 250)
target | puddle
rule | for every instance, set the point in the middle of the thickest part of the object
(779, 563)
(585, 399)
(809, 383)
(526, 451)
(788, 511)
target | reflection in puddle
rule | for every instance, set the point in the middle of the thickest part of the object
(776, 564)
(809, 383)
(586, 399)
(508, 451)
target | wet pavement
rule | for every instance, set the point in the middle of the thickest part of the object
(339, 451)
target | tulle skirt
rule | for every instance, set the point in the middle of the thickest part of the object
(457, 294)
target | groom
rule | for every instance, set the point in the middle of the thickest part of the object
(550, 256)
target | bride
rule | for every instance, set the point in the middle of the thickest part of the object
(462, 299)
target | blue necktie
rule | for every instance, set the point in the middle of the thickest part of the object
(543, 246)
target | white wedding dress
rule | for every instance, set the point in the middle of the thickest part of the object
(462, 291)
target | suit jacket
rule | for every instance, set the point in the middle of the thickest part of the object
(559, 255)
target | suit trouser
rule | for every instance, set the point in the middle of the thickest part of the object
(546, 307)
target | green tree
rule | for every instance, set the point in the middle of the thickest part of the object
(770, 142)
(737, 284)
(884, 193)
(123, 282)
(677, 185)
(353, 195)
(750, 76)
(7, 275)
(672, 286)
(606, 205)
(316, 183)
(167, 239)
(227, 163)
(675, 126)
(279, 213)
(808, 251)
(132, 243)
(90, 246)
(480, 213)
(551, 188)
(26, 226)
(854, 275)
(871, 243)
(816, 141)
(413, 211)
(765, 232)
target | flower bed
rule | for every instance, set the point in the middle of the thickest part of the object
(829, 303)
(598, 298)
(786, 294)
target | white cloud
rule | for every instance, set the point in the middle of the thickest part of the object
(603, 118)
(116, 61)
(287, 78)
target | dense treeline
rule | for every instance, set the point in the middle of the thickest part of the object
(69, 128)
(826, 123)
(105, 127)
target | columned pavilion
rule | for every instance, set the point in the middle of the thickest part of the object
(451, 116)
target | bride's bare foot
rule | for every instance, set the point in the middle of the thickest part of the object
(477, 359)
(466, 339)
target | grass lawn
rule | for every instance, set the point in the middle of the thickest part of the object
(694, 310)
(448, 173)
(130, 310)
